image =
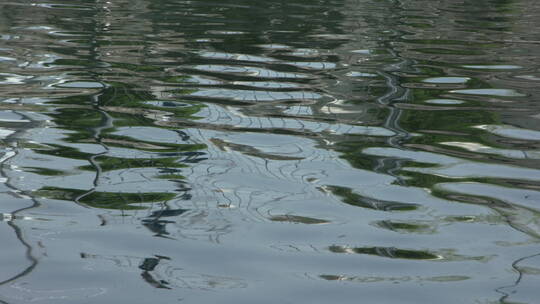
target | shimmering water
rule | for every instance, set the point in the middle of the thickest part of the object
(242, 151)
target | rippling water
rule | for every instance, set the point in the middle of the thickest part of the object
(246, 151)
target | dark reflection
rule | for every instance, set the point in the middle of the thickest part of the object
(507, 291)
(297, 219)
(519, 217)
(155, 222)
(13, 223)
(248, 150)
(444, 255)
(148, 265)
(26, 244)
(351, 198)
(405, 227)
(387, 252)
(396, 279)
(108, 200)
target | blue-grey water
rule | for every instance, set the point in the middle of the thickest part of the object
(247, 151)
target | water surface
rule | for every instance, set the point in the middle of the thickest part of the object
(243, 151)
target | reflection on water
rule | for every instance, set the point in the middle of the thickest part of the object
(164, 151)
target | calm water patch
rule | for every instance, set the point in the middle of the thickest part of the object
(493, 92)
(453, 80)
(444, 101)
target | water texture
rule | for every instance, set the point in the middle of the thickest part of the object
(243, 151)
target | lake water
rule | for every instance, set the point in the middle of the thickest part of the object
(243, 151)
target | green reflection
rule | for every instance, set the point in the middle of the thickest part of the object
(353, 199)
(387, 252)
(297, 219)
(45, 171)
(114, 163)
(406, 226)
(105, 200)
